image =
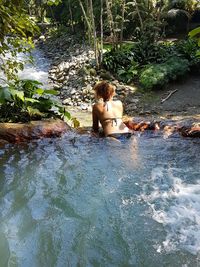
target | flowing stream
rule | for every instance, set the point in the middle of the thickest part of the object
(79, 201)
(38, 70)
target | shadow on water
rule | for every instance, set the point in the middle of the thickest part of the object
(81, 201)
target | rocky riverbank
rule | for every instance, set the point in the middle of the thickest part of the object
(73, 74)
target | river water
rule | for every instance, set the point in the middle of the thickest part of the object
(79, 201)
(82, 201)
(38, 70)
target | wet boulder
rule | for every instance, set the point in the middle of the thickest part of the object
(193, 131)
(20, 132)
(185, 128)
(177, 20)
(141, 125)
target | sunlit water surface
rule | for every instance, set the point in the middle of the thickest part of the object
(81, 201)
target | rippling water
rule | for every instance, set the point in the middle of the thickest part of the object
(38, 70)
(80, 201)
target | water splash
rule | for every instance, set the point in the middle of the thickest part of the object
(175, 204)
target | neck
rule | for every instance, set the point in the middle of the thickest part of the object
(107, 100)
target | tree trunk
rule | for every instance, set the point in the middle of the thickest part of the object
(86, 19)
(111, 22)
(139, 15)
(87, 11)
(95, 41)
(122, 22)
(101, 25)
(91, 29)
(71, 15)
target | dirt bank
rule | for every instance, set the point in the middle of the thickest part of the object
(180, 98)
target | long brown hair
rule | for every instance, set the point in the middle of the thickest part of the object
(105, 90)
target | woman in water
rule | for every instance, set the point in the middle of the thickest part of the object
(108, 112)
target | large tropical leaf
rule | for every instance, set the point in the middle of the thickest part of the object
(17, 93)
(198, 54)
(41, 91)
(5, 95)
(67, 115)
(194, 32)
(34, 112)
(31, 100)
(50, 92)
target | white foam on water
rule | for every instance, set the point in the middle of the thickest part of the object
(36, 71)
(175, 204)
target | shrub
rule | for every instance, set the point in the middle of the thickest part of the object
(145, 52)
(128, 75)
(24, 100)
(157, 75)
(114, 60)
(188, 49)
(141, 52)
(126, 63)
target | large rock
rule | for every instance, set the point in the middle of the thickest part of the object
(19, 132)
(167, 128)
(142, 125)
(193, 131)
(177, 20)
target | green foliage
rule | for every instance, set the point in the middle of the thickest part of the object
(16, 29)
(146, 52)
(157, 75)
(127, 62)
(53, 2)
(195, 34)
(188, 5)
(128, 75)
(24, 100)
(57, 31)
(141, 53)
(114, 60)
(188, 49)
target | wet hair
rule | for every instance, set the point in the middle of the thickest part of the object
(105, 90)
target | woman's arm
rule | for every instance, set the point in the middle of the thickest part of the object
(95, 119)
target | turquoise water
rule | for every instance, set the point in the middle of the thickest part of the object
(80, 201)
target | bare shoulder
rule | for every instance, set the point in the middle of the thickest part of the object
(96, 107)
(118, 102)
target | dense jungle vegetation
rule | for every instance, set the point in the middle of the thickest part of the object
(136, 32)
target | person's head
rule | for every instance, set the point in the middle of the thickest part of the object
(104, 90)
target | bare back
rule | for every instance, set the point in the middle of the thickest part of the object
(109, 114)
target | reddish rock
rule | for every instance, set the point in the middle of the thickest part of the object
(168, 128)
(19, 132)
(141, 126)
